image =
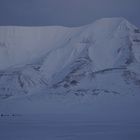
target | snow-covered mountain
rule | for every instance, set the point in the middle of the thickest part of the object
(99, 58)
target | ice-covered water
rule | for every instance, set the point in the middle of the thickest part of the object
(67, 127)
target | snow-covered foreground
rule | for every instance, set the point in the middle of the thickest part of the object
(106, 117)
(67, 127)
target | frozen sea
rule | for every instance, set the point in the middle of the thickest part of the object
(66, 127)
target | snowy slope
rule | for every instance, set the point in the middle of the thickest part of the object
(99, 58)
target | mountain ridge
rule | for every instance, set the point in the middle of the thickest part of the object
(96, 58)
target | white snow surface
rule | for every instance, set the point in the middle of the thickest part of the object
(67, 127)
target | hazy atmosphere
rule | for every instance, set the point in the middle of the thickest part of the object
(69, 83)
(66, 12)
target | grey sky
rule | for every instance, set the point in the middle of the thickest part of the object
(66, 12)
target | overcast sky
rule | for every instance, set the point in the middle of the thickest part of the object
(66, 12)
